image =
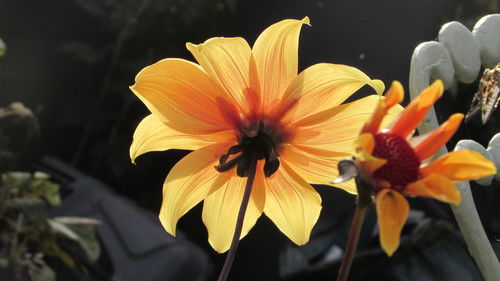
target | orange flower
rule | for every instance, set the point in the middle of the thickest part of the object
(238, 101)
(396, 165)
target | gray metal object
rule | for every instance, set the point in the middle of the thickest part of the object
(458, 56)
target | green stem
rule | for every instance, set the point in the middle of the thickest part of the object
(352, 243)
(239, 222)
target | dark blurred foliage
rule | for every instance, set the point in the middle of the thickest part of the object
(73, 62)
(29, 236)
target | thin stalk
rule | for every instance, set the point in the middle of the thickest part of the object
(239, 222)
(352, 243)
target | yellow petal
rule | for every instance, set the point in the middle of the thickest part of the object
(323, 86)
(182, 95)
(339, 127)
(220, 209)
(365, 142)
(227, 60)
(368, 163)
(460, 166)
(433, 141)
(417, 109)
(276, 55)
(189, 182)
(437, 187)
(315, 167)
(292, 204)
(392, 211)
(153, 135)
(393, 97)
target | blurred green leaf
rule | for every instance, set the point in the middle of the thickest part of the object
(46, 189)
(84, 229)
(3, 263)
(62, 229)
(41, 272)
(16, 108)
(3, 48)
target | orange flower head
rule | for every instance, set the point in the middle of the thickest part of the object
(240, 102)
(396, 164)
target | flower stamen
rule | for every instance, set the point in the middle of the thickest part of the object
(258, 144)
(402, 163)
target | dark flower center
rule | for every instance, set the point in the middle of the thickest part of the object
(402, 163)
(260, 143)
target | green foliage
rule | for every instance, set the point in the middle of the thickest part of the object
(3, 48)
(28, 233)
(27, 199)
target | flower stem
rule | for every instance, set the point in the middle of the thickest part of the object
(239, 222)
(352, 242)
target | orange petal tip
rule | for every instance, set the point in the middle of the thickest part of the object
(395, 94)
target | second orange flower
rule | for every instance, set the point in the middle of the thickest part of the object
(395, 164)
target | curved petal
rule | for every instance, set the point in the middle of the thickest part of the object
(276, 56)
(292, 204)
(366, 162)
(369, 163)
(417, 109)
(433, 141)
(365, 142)
(314, 167)
(228, 61)
(323, 86)
(394, 96)
(437, 187)
(189, 182)
(220, 209)
(392, 211)
(337, 128)
(182, 95)
(460, 165)
(152, 134)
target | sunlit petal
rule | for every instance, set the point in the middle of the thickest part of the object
(460, 165)
(228, 61)
(339, 127)
(276, 55)
(432, 142)
(394, 96)
(182, 95)
(220, 209)
(315, 168)
(437, 187)
(365, 142)
(292, 204)
(189, 182)
(417, 109)
(153, 135)
(323, 86)
(392, 212)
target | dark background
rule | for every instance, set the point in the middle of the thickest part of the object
(71, 62)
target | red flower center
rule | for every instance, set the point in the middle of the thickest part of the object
(402, 163)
